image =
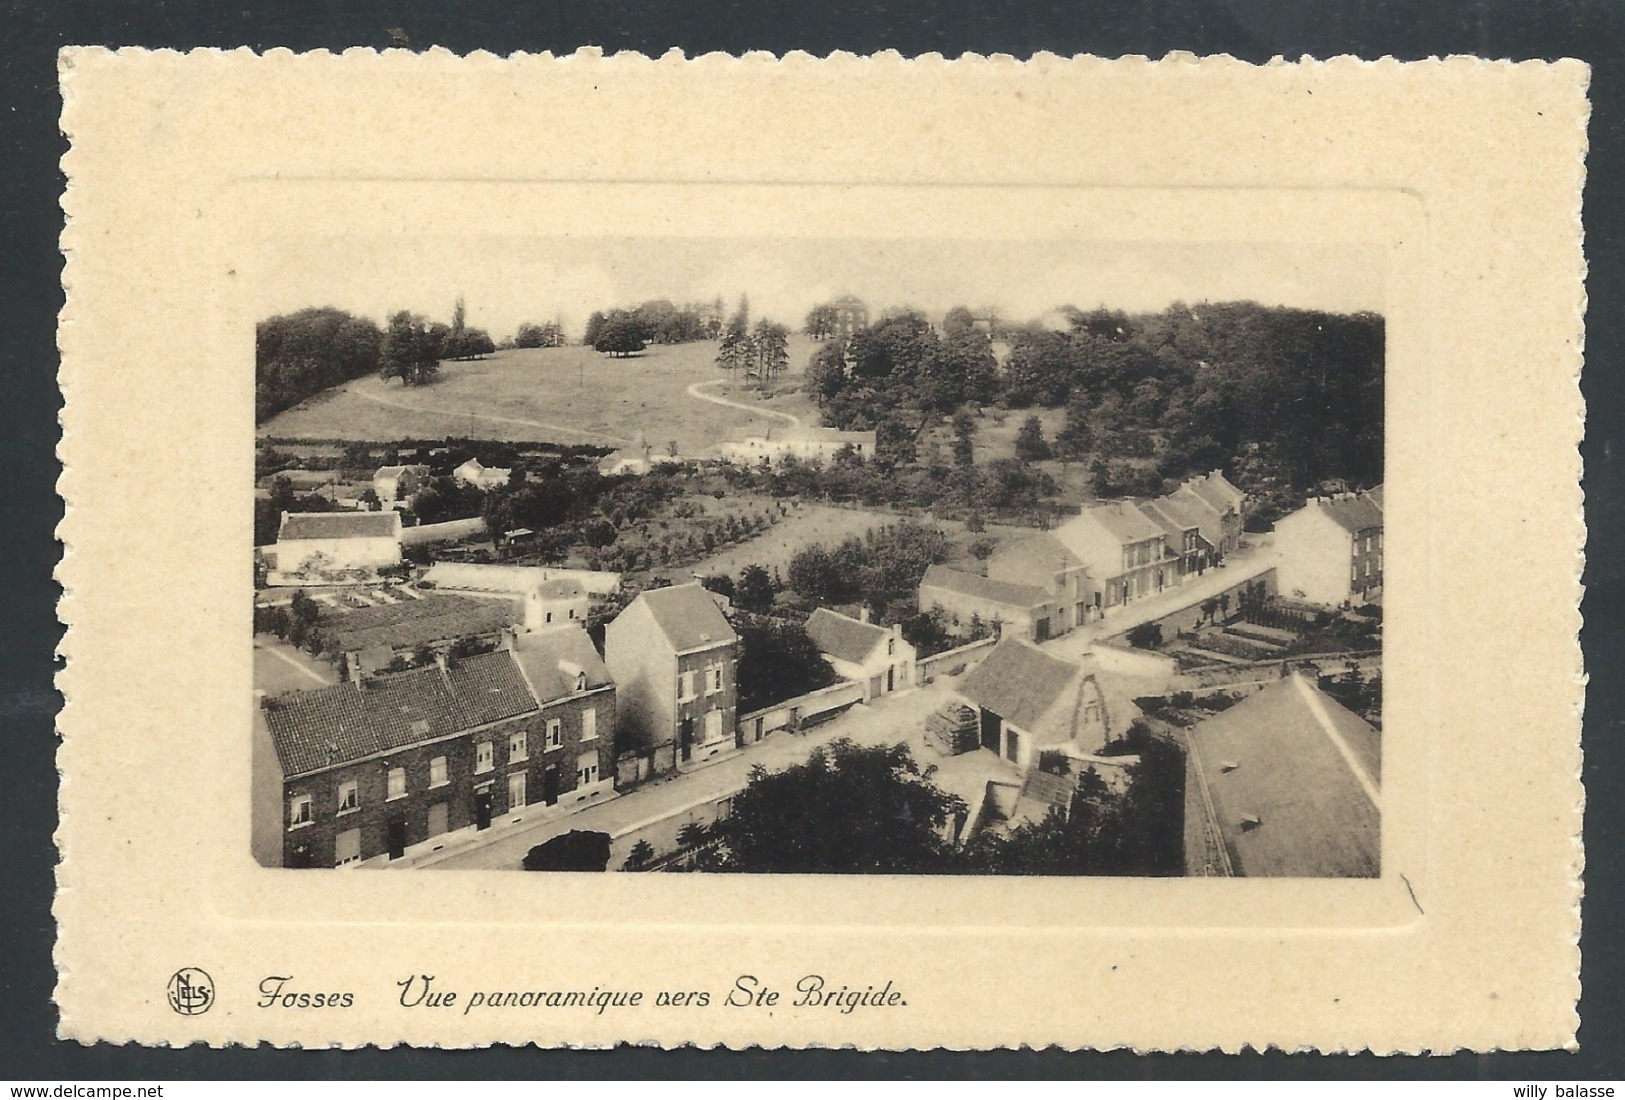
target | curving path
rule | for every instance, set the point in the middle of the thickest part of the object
(542, 424)
(697, 389)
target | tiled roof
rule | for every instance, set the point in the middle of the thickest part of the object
(1019, 682)
(844, 637)
(312, 730)
(689, 616)
(1289, 791)
(1043, 553)
(1352, 513)
(1024, 596)
(339, 525)
(410, 623)
(550, 659)
(1124, 521)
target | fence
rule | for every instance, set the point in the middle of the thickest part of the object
(804, 710)
(1255, 671)
(941, 664)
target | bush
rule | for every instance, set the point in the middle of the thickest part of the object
(1145, 636)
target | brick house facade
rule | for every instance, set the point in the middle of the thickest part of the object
(377, 767)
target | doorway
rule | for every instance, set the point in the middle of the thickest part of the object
(990, 731)
(685, 739)
(550, 785)
(396, 839)
(482, 809)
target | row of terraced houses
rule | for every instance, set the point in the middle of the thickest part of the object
(1108, 555)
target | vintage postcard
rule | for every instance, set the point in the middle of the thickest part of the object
(794, 552)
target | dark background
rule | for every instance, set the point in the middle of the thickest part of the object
(30, 144)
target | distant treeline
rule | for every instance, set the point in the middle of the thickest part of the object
(657, 321)
(1286, 398)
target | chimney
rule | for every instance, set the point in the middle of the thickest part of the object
(442, 660)
(352, 665)
(863, 613)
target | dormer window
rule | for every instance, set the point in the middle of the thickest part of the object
(581, 681)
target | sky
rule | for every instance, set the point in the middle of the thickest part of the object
(506, 282)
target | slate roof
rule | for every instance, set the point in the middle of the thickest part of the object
(549, 661)
(844, 637)
(339, 525)
(1215, 489)
(410, 623)
(1171, 518)
(1376, 495)
(560, 589)
(1019, 682)
(1124, 521)
(1352, 513)
(313, 730)
(970, 584)
(397, 471)
(688, 616)
(1272, 759)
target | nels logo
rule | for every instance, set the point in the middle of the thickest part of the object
(191, 991)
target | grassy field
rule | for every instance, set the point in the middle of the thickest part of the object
(565, 395)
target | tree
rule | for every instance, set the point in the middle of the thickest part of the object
(576, 850)
(692, 834)
(771, 345)
(299, 354)
(821, 322)
(777, 661)
(720, 583)
(1030, 443)
(548, 335)
(1074, 440)
(755, 590)
(411, 350)
(618, 337)
(640, 855)
(849, 809)
(964, 439)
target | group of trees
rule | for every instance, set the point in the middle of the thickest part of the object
(622, 332)
(299, 623)
(1286, 398)
(532, 335)
(413, 347)
(300, 354)
(760, 354)
(882, 567)
(855, 809)
(899, 375)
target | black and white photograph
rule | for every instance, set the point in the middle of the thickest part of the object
(819, 556)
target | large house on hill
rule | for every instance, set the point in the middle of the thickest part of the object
(1285, 783)
(1331, 549)
(877, 657)
(675, 657)
(315, 548)
(384, 764)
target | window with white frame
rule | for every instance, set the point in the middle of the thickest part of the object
(397, 783)
(891, 647)
(589, 724)
(555, 734)
(485, 757)
(516, 791)
(713, 679)
(587, 769)
(349, 797)
(685, 687)
(299, 811)
(518, 747)
(437, 772)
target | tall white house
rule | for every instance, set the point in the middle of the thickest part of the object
(1331, 549)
